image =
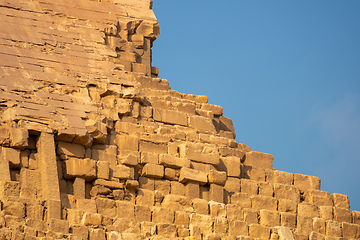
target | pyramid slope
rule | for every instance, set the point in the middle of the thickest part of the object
(94, 145)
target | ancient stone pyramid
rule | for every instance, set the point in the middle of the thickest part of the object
(94, 145)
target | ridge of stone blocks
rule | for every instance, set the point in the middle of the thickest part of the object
(95, 145)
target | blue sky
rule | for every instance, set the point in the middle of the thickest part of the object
(286, 72)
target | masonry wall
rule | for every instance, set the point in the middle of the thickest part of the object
(94, 145)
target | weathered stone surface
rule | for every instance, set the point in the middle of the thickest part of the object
(258, 159)
(187, 174)
(77, 167)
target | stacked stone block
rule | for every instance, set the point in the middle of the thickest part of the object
(93, 145)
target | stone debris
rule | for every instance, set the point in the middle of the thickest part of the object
(94, 145)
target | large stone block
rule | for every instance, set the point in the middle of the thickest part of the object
(71, 149)
(269, 218)
(202, 153)
(204, 222)
(202, 124)
(221, 226)
(340, 200)
(333, 228)
(350, 230)
(275, 176)
(188, 174)
(318, 197)
(216, 193)
(11, 155)
(106, 207)
(241, 199)
(127, 142)
(288, 219)
(121, 171)
(319, 225)
(262, 202)
(77, 167)
(308, 210)
(19, 138)
(305, 182)
(170, 116)
(250, 187)
(286, 192)
(230, 165)
(342, 215)
(173, 162)
(177, 203)
(162, 215)
(125, 209)
(258, 159)
(153, 170)
(145, 197)
(259, 231)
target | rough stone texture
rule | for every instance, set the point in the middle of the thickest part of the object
(95, 145)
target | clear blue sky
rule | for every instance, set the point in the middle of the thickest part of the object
(286, 72)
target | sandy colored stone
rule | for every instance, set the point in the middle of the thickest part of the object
(258, 159)
(187, 174)
(77, 167)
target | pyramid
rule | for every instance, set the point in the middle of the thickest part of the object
(95, 145)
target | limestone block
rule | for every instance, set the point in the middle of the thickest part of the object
(149, 157)
(91, 219)
(286, 192)
(217, 209)
(233, 212)
(162, 186)
(308, 210)
(319, 225)
(305, 182)
(342, 215)
(248, 186)
(157, 148)
(146, 229)
(284, 233)
(79, 231)
(259, 231)
(317, 236)
(9, 189)
(97, 234)
(288, 219)
(167, 230)
(131, 184)
(70, 149)
(103, 170)
(162, 215)
(13, 208)
(12, 156)
(230, 165)
(125, 209)
(221, 226)
(108, 184)
(206, 168)
(106, 207)
(19, 138)
(200, 206)
(79, 188)
(192, 190)
(304, 223)
(262, 202)
(241, 199)
(266, 189)
(203, 124)
(326, 212)
(187, 174)
(142, 213)
(318, 197)
(76, 167)
(275, 176)
(202, 153)
(173, 162)
(128, 160)
(355, 217)
(216, 110)
(37, 224)
(121, 171)
(35, 211)
(333, 228)
(216, 193)
(177, 203)
(287, 205)
(269, 218)
(340, 200)
(171, 174)
(145, 197)
(232, 184)
(147, 183)
(170, 116)
(204, 222)
(86, 205)
(127, 142)
(177, 188)
(253, 173)
(153, 170)
(58, 225)
(258, 159)
(350, 230)
(146, 111)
